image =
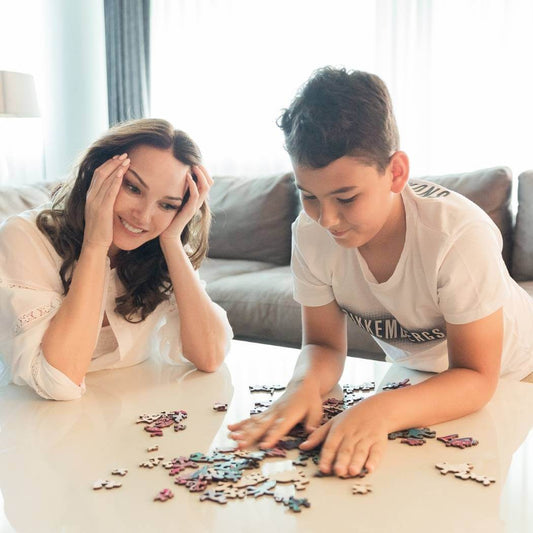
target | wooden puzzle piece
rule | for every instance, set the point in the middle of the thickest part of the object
(164, 495)
(214, 496)
(100, 484)
(221, 407)
(152, 448)
(413, 433)
(294, 504)
(446, 468)
(261, 490)
(361, 488)
(413, 442)
(289, 476)
(397, 384)
(233, 492)
(119, 472)
(250, 479)
(486, 481)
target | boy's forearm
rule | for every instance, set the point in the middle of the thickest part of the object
(446, 396)
(319, 365)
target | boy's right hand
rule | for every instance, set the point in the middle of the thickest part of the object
(300, 402)
(100, 201)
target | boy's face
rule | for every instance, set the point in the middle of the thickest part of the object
(357, 203)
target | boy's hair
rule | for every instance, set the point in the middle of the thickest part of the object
(338, 113)
(143, 271)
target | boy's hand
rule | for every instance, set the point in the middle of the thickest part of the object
(354, 439)
(298, 403)
(198, 191)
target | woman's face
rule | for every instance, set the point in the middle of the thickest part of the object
(151, 194)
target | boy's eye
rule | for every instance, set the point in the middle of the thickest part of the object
(346, 200)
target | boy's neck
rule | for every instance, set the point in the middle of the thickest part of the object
(383, 252)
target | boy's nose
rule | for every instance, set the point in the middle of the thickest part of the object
(327, 217)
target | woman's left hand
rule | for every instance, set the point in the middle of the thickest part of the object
(198, 191)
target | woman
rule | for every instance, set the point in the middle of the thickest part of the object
(107, 274)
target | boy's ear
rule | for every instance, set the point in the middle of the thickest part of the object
(399, 168)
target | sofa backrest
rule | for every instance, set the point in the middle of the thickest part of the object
(14, 200)
(252, 218)
(490, 189)
(522, 269)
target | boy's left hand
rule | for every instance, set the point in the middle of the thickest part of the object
(354, 439)
(198, 192)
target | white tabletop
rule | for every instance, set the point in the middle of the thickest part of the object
(51, 453)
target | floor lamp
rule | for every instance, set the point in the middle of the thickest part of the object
(18, 99)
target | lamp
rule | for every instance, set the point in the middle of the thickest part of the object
(17, 95)
(18, 99)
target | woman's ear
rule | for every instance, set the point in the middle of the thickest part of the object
(399, 168)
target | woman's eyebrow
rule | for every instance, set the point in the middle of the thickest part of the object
(177, 198)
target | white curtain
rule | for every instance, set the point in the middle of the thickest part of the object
(459, 72)
(21, 139)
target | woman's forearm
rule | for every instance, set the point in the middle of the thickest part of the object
(203, 333)
(71, 337)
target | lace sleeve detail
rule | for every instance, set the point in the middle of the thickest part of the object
(25, 320)
(35, 374)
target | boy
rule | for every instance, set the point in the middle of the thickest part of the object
(423, 273)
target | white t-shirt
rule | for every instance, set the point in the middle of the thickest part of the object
(31, 292)
(450, 270)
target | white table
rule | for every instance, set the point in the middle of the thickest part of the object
(52, 452)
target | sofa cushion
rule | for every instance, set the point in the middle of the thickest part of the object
(490, 189)
(213, 269)
(14, 200)
(252, 218)
(523, 237)
(261, 308)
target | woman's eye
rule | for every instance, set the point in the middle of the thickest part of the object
(347, 200)
(169, 207)
(131, 187)
(308, 198)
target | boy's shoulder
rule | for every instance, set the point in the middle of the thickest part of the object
(440, 208)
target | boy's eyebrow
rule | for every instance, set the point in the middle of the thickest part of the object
(336, 191)
(177, 198)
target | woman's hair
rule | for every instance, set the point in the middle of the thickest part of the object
(143, 271)
(340, 113)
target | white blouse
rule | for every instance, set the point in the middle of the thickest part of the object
(31, 292)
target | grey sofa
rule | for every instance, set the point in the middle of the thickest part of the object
(247, 269)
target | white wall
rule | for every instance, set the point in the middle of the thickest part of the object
(74, 82)
(62, 43)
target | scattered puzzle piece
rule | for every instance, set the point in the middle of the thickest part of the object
(294, 504)
(413, 442)
(214, 496)
(119, 472)
(164, 495)
(486, 481)
(397, 384)
(261, 490)
(361, 488)
(222, 407)
(413, 433)
(446, 468)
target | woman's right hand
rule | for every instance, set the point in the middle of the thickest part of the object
(100, 201)
(300, 402)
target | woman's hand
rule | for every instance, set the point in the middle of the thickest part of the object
(198, 191)
(354, 439)
(100, 202)
(300, 402)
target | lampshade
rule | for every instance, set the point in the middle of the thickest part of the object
(17, 95)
